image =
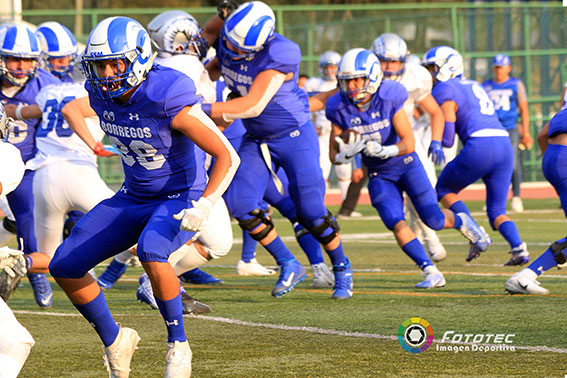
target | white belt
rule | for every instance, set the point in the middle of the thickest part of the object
(489, 133)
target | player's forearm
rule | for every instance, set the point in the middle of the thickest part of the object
(76, 121)
(542, 138)
(318, 101)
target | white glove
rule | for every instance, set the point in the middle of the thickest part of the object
(375, 149)
(193, 218)
(348, 151)
(12, 261)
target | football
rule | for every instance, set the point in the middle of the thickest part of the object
(345, 135)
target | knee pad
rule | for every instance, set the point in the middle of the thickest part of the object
(259, 217)
(9, 225)
(557, 248)
(317, 231)
(299, 229)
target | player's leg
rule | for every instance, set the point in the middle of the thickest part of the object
(516, 203)
(386, 197)
(15, 343)
(8, 226)
(324, 160)
(352, 196)
(244, 198)
(298, 156)
(344, 177)
(496, 196)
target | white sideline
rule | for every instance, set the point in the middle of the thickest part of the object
(322, 331)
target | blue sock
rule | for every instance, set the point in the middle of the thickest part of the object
(280, 252)
(309, 245)
(337, 255)
(414, 249)
(97, 314)
(248, 247)
(172, 313)
(546, 261)
(460, 207)
(509, 231)
(458, 221)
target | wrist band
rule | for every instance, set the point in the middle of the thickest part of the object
(19, 112)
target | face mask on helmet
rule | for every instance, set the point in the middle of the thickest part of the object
(177, 32)
(390, 47)
(355, 65)
(444, 63)
(117, 58)
(246, 30)
(58, 48)
(329, 65)
(19, 55)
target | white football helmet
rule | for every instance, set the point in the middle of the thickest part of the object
(247, 29)
(390, 47)
(177, 32)
(56, 41)
(413, 59)
(122, 39)
(443, 62)
(359, 63)
(17, 41)
(326, 62)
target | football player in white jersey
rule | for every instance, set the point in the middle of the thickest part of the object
(15, 341)
(392, 52)
(328, 67)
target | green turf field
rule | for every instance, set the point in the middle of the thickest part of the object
(306, 334)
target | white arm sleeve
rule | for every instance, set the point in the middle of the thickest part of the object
(10, 174)
(257, 109)
(198, 113)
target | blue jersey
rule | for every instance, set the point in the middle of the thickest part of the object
(22, 133)
(289, 108)
(475, 110)
(505, 98)
(157, 160)
(558, 124)
(374, 123)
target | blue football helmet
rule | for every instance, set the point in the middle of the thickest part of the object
(19, 42)
(177, 32)
(359, 63)
(125, 41)
(247, 29)
(328, 60)
(390, 47)
(56, 41)
(443, 62)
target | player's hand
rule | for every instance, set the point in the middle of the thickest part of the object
(10, 110)
(526, 141)
(225, 8)
(347, 151)
(100, 151)
(192, 219)
(357, 175)
(12, 261)
(373, 148)
(436, 152)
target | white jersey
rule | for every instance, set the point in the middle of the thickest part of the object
(191, 66)
(417, 81)
(55, 139)
(317, 84)
(11, 173)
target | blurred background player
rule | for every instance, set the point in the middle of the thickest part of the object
(392, 51)
(262, 67)
(22, 79)
(487, 153)
(552, 140)
(509, 94)
(385, 137)
(15, 341)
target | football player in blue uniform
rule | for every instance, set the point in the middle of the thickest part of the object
(262, 67)
(22, 80)
(152, 116)
(509, 94)
(552, 140)
(373, 110)
(487, 152)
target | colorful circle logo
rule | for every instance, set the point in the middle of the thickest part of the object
(415, 335)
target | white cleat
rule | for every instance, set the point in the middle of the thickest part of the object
(517, 205)
(117, 357)
(436, 250)
(433, 278)
(323, 278)
(253, 268)
(524, 282)
(178, 360)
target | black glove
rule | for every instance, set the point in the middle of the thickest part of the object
(225, 8)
